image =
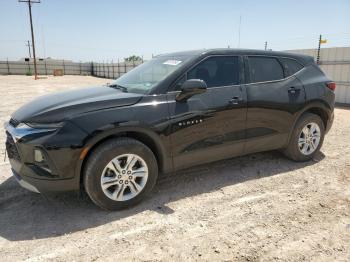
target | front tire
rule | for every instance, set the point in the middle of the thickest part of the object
(120, 173)
(306, 139)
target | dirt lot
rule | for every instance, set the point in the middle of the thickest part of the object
(260, 207)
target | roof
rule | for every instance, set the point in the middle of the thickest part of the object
(236, 51)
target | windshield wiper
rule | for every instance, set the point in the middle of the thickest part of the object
(122, 88)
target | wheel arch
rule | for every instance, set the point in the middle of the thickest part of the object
(319, 108)
(149, 138)
(321, 113)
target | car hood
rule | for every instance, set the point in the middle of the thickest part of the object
(64, 105)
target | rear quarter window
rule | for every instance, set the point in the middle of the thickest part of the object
(291, 66)
(262, 69)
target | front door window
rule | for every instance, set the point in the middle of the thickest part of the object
(217, 71)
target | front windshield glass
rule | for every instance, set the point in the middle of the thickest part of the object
(147, 75)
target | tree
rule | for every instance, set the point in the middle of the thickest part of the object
(133, 58)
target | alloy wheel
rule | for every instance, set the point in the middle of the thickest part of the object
(309, 138)
(124, 177)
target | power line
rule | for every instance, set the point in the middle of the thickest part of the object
(30, 2)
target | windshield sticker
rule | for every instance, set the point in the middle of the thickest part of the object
(172, 62)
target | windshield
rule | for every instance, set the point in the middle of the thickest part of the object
(144, 77)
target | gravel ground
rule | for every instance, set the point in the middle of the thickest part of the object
(261, 207)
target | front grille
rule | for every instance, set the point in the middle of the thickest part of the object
(11, 148)
(14, 122)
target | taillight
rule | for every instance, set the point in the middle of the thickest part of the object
(331, 85)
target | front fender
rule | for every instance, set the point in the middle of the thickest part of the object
(147, 121)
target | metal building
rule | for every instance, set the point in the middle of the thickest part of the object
(335, 62)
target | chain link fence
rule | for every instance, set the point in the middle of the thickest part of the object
(113, 70)
(47, 67)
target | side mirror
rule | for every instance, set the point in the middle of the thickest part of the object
(190, 88)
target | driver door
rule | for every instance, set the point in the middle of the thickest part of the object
(209, 126)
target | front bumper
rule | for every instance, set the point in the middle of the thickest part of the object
(45, 185)
(24, 183)
(61, 151)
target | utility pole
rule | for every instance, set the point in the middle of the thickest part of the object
(320, 42)
(319, 50)
(265, 45)
(28, 44)
(30, 2)
(239, 31)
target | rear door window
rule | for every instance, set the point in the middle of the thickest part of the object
(262, 69)
(291, 66)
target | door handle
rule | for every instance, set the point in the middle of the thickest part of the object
(293, 90)
(235, 100)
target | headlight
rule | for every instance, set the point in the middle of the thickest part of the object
(47, 126)
(23, 126)
(25, 129)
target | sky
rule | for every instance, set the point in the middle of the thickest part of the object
(105, 30)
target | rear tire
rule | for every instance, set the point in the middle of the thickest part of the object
(306, 139)
(120, 173)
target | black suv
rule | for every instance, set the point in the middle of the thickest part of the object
(172, 112)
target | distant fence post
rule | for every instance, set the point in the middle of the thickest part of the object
(64, 67)
(92, 68)
(113, 76)
(118, 68)
(108, 65)
(29, 66)
(80, 67)
(45, 66)
(8, 66)
(124, 66)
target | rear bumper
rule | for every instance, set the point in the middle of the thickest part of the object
(330, 122)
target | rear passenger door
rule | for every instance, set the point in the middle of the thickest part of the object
(274, 96)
